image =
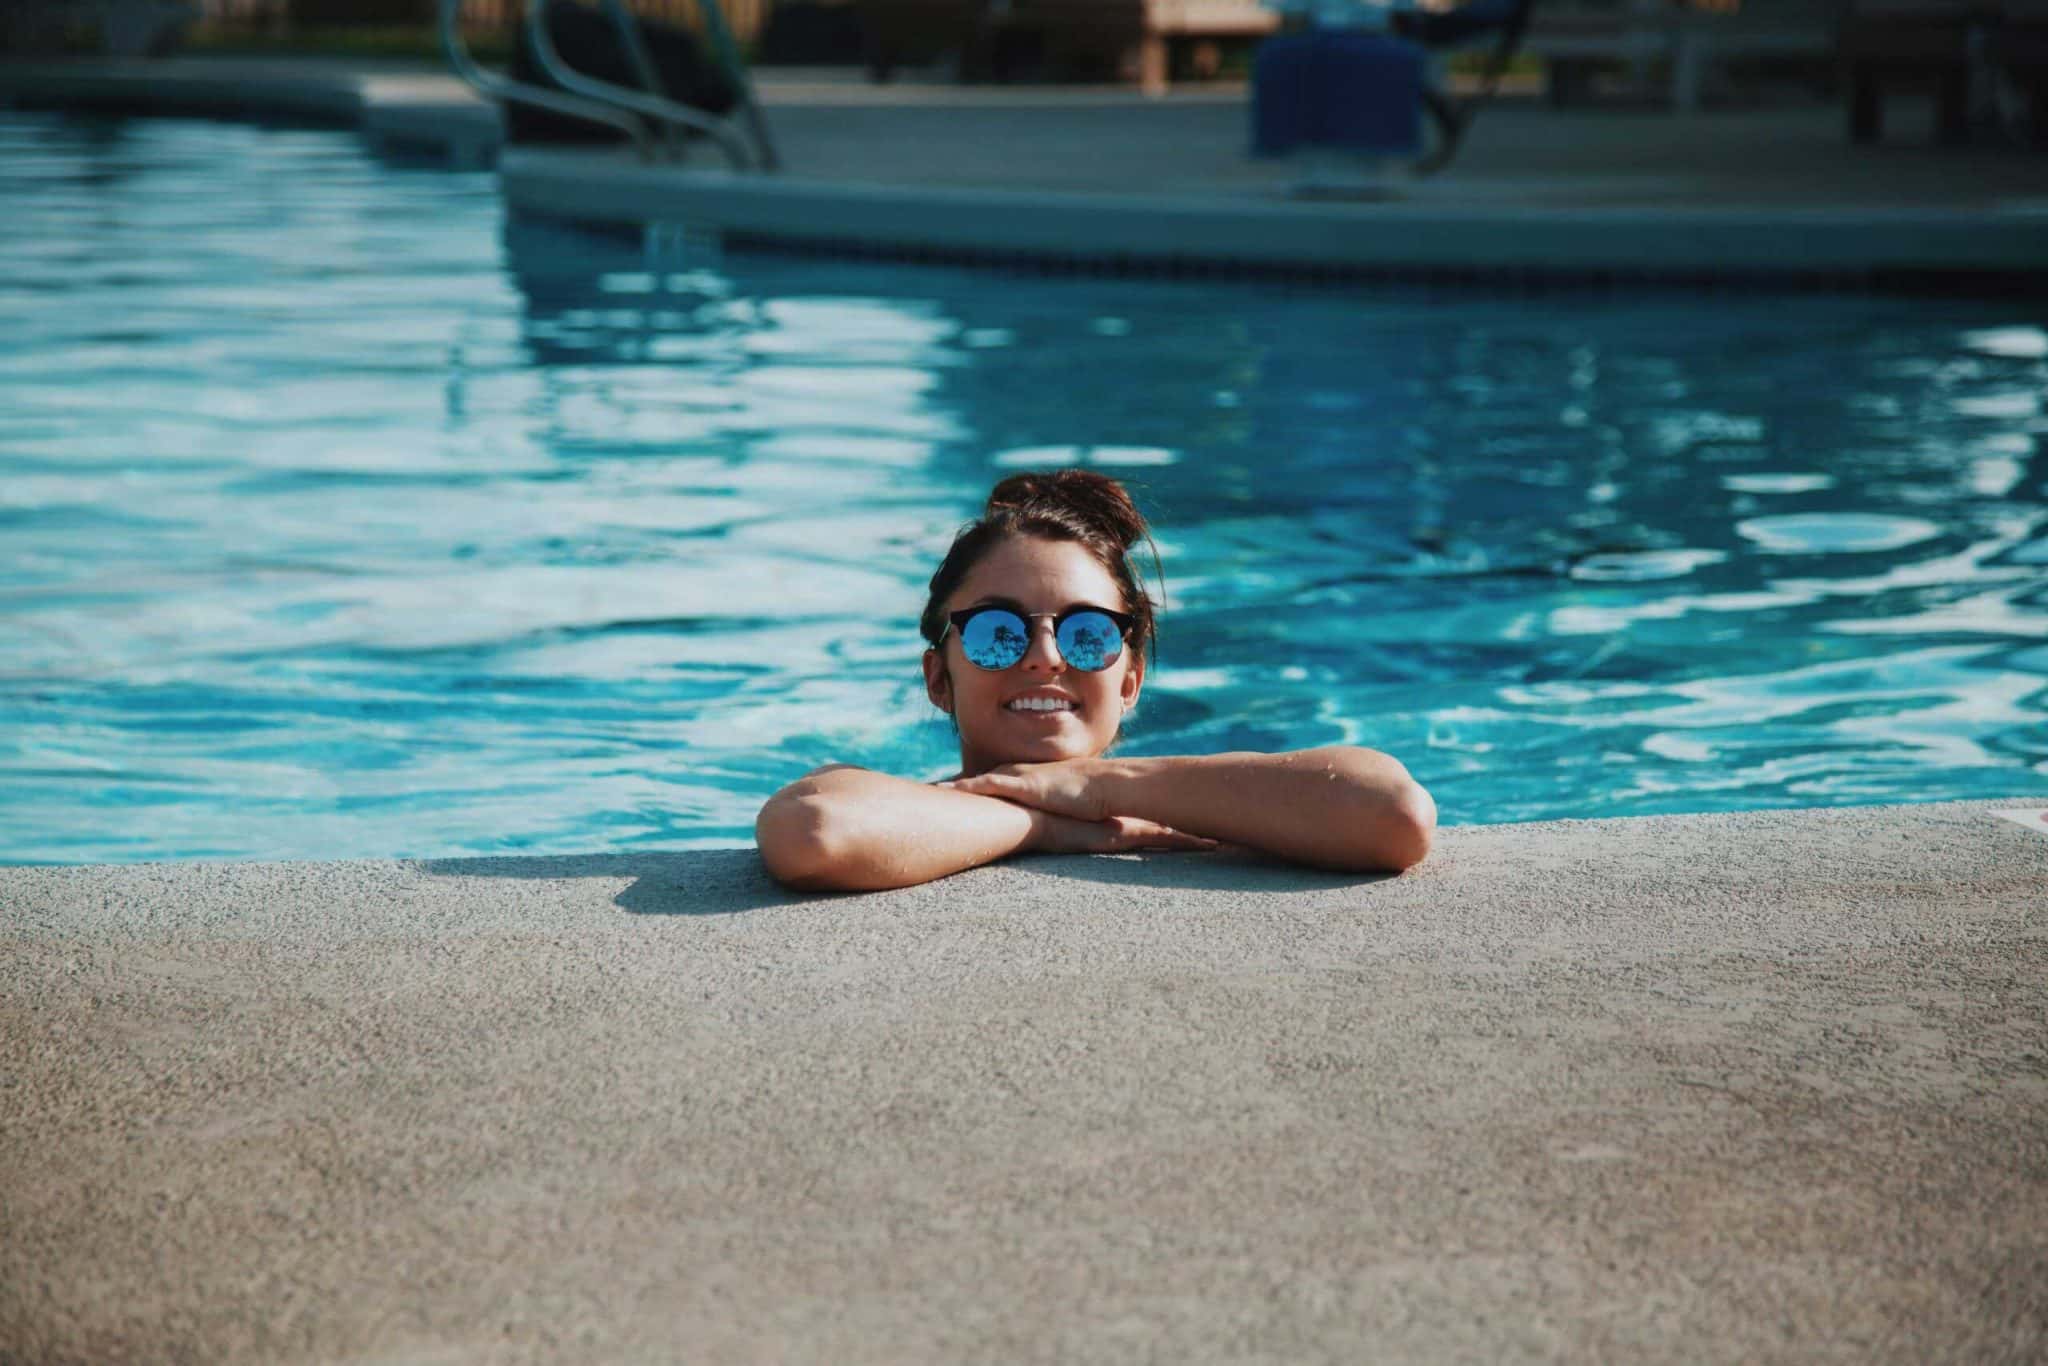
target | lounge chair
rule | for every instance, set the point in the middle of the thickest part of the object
(1354, 97)
(1343, 102)
(1504, 21)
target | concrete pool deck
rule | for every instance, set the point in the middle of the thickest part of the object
(1068, 175)
(1759, 1086)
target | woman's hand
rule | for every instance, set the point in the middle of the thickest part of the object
(1075, 788)
(1070, 806)
(1064, 835)
(1340, 807)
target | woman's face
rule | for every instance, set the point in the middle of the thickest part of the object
(1035, 575)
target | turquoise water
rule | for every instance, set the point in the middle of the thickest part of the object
(340, 517)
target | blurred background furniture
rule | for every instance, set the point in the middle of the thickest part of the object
(811, 33)
(1334, 96)
(1680, 49)
(900, 33)
(1064, 40)
(1919, 45)
(1710, 37)
(1504, 22)
(2018, 49)
(1975, 56)
(108, 28)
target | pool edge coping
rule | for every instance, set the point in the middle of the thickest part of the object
(1888, 250)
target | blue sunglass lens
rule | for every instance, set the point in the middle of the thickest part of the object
(994, 639)
(997, 638)
(1090, 641)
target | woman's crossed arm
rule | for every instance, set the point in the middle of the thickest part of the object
(1340, 807)
(847, 829)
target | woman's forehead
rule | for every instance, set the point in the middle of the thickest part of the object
(1031, 569)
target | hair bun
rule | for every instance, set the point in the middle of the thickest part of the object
(1096, 499)
(1079, 506)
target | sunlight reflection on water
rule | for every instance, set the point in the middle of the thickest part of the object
(328, 540)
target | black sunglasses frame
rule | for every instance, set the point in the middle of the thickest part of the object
(956, 622)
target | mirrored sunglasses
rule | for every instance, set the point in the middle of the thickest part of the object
(1089, 638)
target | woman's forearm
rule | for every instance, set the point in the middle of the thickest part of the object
(851, 829)
(1339, 807)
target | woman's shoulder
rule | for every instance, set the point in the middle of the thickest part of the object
(834, 768)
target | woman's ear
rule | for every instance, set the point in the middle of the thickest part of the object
(937, 686)
(1134, 679)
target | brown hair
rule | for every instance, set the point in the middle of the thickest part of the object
(1090, 509)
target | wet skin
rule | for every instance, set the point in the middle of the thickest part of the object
(1038, 782)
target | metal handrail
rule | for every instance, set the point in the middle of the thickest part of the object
(635, 46)
(496, 87)
(735, 65)
(654, 106)
(723, 48)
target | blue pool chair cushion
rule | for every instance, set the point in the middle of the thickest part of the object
(1359, 92)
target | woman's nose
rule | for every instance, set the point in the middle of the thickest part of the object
(1045, 649)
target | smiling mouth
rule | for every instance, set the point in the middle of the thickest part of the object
(1065, 709)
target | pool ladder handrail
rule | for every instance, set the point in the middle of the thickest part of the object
(616, 105)
(654, 105)
(727, 49)
(504, 89)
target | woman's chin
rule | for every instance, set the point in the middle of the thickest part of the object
(1044, 749)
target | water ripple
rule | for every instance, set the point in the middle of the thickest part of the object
(341, 515)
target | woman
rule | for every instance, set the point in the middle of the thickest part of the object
(1039, 631)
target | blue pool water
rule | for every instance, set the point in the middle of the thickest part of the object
(341, 517)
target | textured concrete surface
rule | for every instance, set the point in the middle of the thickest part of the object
(1753, 1087)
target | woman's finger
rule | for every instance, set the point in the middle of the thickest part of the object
(1016, 793)
(1143, 834)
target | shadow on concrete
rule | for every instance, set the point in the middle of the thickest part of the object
(1224, 870)
(686, 882)
(732, 881)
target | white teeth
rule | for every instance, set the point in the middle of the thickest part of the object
(1040, 704)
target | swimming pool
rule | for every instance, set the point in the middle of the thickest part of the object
(341, 517)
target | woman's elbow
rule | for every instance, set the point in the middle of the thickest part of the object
(793, 833)
(1409, 827)
(1396, 816)
(1397, 829)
